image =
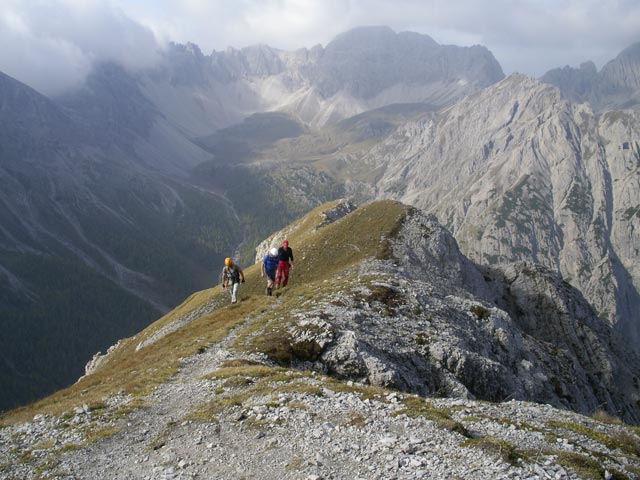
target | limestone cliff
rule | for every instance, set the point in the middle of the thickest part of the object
(518, 173)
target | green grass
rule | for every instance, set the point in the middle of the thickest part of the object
(245, 394)
(585, 466)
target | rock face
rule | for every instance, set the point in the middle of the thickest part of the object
(359, 70)
(434, 323)
(518, 173)
(616, 86)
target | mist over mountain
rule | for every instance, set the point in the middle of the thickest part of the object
(103, 225)
(93, 243)
(121, 197)
(365, 68)
(614, 87)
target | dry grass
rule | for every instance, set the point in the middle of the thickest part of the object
(136, 372)
(500, 448)
(320, 254)
(419, 407)
(623, 440)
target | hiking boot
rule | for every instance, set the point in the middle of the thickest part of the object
(269, 291)
(266, 291)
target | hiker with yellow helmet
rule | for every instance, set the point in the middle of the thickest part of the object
(231, 278)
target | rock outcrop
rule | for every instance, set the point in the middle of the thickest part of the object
(519, 174)
(434, 323)
(328, 379)
(340, 209)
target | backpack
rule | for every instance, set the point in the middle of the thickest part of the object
(232, 274)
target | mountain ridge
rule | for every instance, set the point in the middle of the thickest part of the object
(313, 84)
(347, 341)
(542, 179)
(615, 86)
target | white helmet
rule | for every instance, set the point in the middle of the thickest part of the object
(273, 252)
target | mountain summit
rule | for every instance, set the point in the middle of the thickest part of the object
(328, 379)
(616, 86)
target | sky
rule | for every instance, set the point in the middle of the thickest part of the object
(51, 45)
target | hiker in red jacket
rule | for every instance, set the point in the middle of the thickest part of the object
(285, 262)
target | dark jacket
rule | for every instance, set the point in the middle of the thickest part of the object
(285, 254)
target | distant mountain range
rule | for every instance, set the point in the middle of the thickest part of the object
(616, 86)
(517, 173)
(122, 197)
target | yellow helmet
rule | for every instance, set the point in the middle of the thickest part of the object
(227, 262)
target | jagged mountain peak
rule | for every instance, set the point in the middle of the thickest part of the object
(362, 69)
(631, 52)
(623, 72)
(615, 86)
(374, 36)
(382, 309)
(188, 48)
(366, 60)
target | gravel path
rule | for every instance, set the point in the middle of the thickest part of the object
(309, 433)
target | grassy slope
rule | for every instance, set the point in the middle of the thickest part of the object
(75, 310)
(320, 254)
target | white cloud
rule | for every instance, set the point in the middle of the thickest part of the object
(530, 36)
(51, 45)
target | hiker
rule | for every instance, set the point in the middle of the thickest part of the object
(285, 262)
(231, 278)
(269, 267)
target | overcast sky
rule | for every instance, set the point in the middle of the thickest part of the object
(52, 44)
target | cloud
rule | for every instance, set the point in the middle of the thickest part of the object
(530, 36)
(52, 45)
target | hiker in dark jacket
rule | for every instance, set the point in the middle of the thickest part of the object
(231, 277)
(269, 267)
(285, 262)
